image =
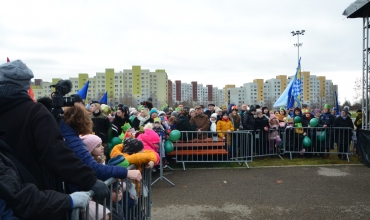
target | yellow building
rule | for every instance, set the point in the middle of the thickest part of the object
(226, 89)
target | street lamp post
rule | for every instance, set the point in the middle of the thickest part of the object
(298, 44)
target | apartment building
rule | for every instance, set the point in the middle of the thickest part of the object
(130, 86)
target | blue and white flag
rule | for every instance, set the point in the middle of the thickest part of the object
(291, 97)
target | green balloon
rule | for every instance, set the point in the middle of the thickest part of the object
(168, 146)
(307, 141)
(174, 135)
(115, 141)
(322, 136)
(314, 122)
(297, 119)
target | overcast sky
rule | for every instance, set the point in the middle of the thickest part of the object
(212, 42)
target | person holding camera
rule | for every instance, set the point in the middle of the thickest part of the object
(36, 143)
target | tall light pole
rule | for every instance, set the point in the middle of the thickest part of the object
(298, 44)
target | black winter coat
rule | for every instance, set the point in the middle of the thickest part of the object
(343, 135)
(117, 124)
(36, 141)
(183, 124)
(26, 201)
(248, 121)
(101, 126)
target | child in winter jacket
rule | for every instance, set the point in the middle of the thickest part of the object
(223, 126)
(274, 134)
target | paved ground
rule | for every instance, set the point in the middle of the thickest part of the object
(327, 192)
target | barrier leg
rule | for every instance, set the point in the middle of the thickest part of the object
(161, 177)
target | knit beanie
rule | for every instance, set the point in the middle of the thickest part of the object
(327, 106)
(153, 110)
(132, 145)
(214, 115)
(17, 72)
(91, 141)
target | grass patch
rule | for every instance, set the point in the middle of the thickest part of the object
(273, 161)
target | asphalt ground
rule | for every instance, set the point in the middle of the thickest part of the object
(315, 192)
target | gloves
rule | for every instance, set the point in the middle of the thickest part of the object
(132, 191)
(79, 199)
(100, 189)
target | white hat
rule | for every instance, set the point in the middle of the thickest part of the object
(214, 115)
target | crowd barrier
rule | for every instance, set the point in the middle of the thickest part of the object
(209, 146)
(243, 146)
(126, 208)
(324, 141)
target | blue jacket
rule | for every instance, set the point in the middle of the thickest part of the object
(74, 142)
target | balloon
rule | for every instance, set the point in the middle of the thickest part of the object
(322, 136)
(174, 135)
(314, 122)
(168, 146)
(110, 146)
(307, 141)
(116, 140)
(297, 119)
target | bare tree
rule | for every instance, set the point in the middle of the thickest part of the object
(128, 99)
(269, 102)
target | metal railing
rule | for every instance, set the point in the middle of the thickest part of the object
(128, 207)
(243, 146)
(324, 141)
(207, 146)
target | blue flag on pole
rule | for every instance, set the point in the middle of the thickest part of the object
(83, 91)
(104, 99)
(291, 97)
(336, 103)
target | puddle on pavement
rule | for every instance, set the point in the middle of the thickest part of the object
(323, 171)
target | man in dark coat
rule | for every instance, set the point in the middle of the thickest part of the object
(327, 121)
(101, 124)
(211, 110)
(249, 119)
(35, 139)
(343, 133)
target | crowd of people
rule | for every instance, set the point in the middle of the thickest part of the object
(47, 165)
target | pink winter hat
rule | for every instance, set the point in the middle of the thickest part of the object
(91, 141)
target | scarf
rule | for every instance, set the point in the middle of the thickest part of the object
(280, 117)
(213, 125)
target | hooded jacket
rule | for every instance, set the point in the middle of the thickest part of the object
(149, 138)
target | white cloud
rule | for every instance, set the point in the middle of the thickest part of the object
(212, 42)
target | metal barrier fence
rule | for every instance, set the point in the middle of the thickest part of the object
(121, 204)
(324, 141)
(243, 146)
(209, 146)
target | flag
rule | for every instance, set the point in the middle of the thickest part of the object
(336, 102)
(83, 91)
(30, 93)
(291, 97)
(104, 99)
(7, 60)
